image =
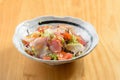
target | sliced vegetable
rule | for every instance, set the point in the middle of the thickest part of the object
(66, 36)
(64, 56)
(61, 55)
(25, 43)
(68, 56)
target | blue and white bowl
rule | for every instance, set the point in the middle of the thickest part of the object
(82, 28)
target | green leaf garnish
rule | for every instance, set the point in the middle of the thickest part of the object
(53, 56)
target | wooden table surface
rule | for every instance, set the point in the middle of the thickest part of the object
(102, 64)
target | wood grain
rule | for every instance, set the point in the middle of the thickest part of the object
(102, 64)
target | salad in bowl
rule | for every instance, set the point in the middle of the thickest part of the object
(58, 42)
(55, 40)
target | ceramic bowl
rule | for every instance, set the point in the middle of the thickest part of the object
(83, 28)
